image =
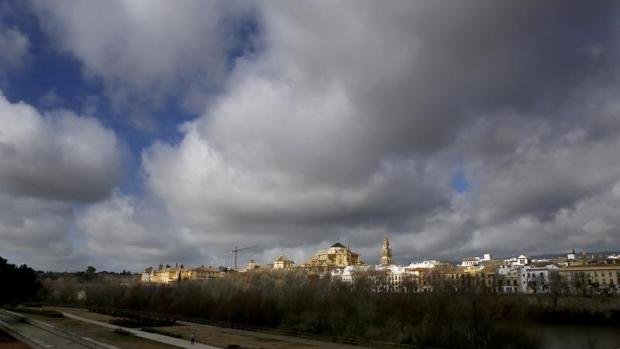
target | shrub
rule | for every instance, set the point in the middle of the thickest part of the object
(135, 323)
(162, 332)
(122, 332)
(41, 312)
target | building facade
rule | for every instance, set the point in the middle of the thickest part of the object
(166, 275)
(584, 278)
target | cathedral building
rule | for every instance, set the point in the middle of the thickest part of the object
(386, 253)
(337, 256)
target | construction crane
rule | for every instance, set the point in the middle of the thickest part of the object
(237, 250)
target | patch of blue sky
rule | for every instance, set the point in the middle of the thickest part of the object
(47, 70)
(247, 29)
(460, 184)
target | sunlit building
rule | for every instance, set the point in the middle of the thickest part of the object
(283, 263)
(167, 275)
(337, 256)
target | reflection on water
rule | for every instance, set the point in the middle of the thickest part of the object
(578, 337)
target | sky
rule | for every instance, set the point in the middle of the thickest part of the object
(144, 132)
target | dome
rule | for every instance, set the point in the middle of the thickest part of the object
(338, 245)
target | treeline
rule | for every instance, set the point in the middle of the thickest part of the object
(294, 302)
(19, 283)
(88, 275)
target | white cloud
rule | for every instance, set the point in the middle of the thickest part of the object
(147, 51)
(57, 155)
(49, 163)
(37, 232)
(127, 233)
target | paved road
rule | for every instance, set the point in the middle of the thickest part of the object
(152, 336)
(38, 336)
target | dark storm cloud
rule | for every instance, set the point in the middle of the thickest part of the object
(419, 72)
(353, 119)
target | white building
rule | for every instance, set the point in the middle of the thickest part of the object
(391, 279)
(523, 260)
(347, 274)
(515, 278)
(476, 261)
(518, 261)
(424, 264)
(146, 275)
(537, 279)
(382, 278)
(470, 262)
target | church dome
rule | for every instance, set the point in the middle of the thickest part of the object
(338, 245)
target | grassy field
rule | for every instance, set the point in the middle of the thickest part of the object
(222, 337)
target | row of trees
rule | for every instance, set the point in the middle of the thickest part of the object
(292, 301)
(456, 314)
(19, 283)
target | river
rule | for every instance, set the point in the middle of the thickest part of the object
(578, 337)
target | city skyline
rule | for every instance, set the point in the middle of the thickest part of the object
(179, 131)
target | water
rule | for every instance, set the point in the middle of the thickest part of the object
(577, 337)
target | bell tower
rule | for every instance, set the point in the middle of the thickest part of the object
(386, 252)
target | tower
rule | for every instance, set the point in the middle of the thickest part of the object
(386, 252)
